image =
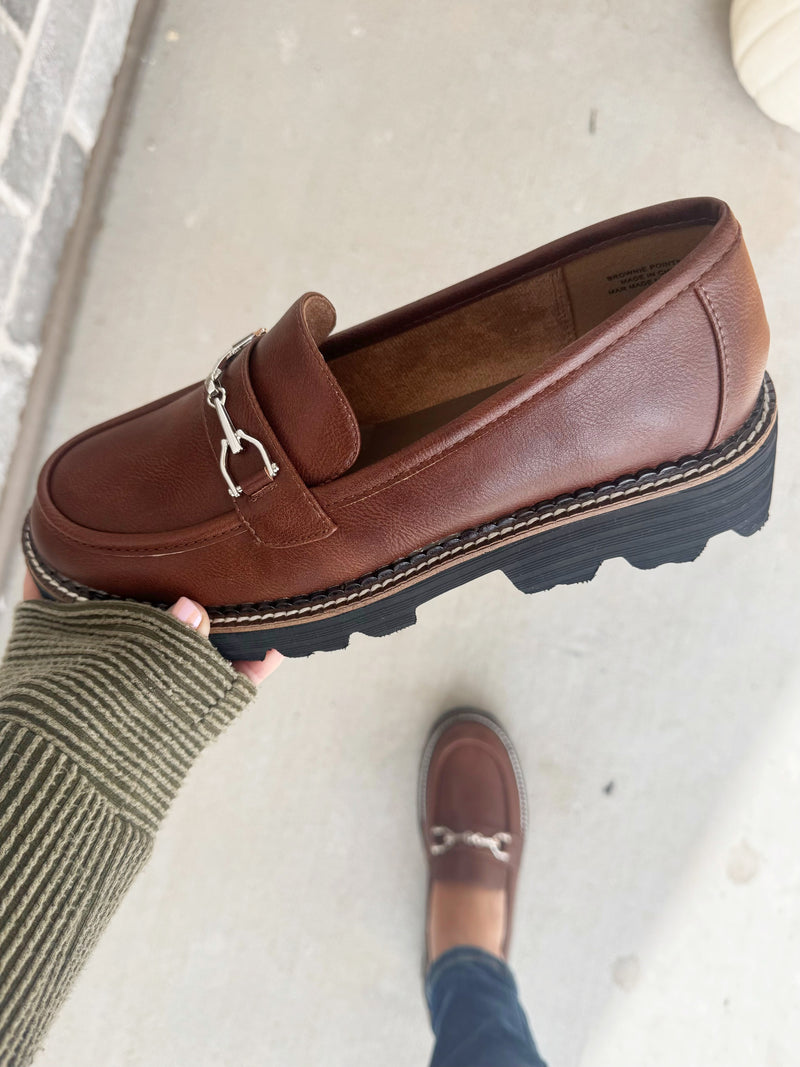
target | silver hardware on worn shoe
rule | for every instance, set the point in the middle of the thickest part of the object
(444, 839)
(234, 440)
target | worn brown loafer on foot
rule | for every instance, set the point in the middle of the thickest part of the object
(602, 396)
(473, 817)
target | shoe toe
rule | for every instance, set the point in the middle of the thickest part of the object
(140, 473)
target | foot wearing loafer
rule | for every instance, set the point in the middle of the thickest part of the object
(602, 396)
(473, 817)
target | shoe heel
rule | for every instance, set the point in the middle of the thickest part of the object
(737, 500)
(672, 528)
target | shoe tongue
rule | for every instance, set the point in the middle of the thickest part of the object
(301, 399)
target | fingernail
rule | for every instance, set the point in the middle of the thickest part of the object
(187, 611)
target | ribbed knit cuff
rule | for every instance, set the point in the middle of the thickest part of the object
(126, 692)
(103, 708)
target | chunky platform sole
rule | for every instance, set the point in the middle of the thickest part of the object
(666, 515)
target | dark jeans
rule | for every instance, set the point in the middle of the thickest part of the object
(476, 1014)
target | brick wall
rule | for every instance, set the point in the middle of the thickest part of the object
(58, 60)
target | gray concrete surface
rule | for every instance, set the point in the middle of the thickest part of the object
(375, 152)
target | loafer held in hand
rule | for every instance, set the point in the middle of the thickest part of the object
(602, 396)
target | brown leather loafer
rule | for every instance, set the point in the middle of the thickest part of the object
(473, 806)
(603, 396)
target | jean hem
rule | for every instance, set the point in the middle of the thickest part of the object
(467, 954)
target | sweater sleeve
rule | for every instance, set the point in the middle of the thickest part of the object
(103, 709)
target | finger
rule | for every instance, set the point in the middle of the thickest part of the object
(30, 590)
(259, 669)
(192, 615)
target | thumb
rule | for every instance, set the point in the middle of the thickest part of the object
(191, 614)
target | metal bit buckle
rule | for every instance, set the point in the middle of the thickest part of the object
(444, 839)
(233, 441)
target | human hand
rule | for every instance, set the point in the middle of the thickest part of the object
(194, 616)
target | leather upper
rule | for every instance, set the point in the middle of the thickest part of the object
(138, 506)
(469, 787)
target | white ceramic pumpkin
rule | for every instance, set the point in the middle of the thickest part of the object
(765, 39)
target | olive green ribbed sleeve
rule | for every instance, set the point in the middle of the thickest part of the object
(103, 709)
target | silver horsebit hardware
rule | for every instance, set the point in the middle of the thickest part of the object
(234, 441)
(444, 839)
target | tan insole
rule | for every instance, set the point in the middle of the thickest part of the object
(473, 347)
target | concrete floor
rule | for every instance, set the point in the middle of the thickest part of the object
(377, 152)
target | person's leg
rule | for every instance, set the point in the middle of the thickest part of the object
(473, 815)
(476, 1014)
